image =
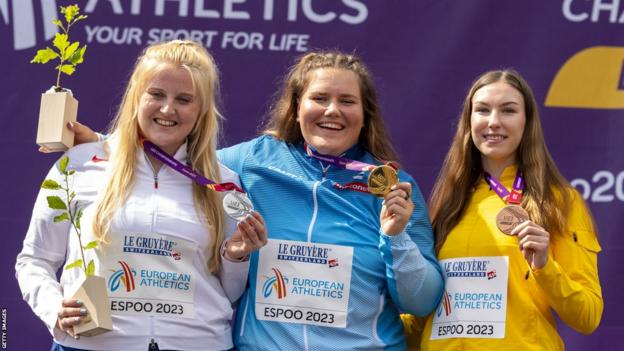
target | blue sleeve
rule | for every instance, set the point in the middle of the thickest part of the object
(234, 157)
(414, 277)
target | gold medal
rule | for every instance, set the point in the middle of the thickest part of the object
(510, 217)
(381, 179)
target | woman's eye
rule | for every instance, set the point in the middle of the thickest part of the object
(481, 110)
(318, 98)
(185, 100)
(156, 94)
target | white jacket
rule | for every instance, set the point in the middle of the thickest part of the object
(166, 211)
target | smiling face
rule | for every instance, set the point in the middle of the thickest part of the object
(497, 123)
(330, 112)
(168, 108)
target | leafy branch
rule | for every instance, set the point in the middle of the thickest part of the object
(69, 54)
(71, 212)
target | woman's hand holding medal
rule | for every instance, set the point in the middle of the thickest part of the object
(514, 220)
(534, 242)
(397, 208)
(250, 235)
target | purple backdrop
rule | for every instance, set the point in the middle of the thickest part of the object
(424, 55)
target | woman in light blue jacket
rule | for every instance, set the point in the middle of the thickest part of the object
(341, 263)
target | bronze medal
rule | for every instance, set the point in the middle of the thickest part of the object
(381, 179)
(510, 217)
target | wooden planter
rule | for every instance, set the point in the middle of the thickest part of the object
(92, 292)
(57, 109)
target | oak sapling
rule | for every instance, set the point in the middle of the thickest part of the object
(70, 212)
(68, 54)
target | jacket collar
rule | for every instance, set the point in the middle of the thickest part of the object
(356, 152)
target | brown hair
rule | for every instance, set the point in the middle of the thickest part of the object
(547, 193)
(283, 117)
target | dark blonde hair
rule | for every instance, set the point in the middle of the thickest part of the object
(283, 118)
(201, 142)
(547, 193)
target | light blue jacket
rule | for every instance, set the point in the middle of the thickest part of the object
(297, 196)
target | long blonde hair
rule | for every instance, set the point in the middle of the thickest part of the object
(201, 142)
(547, 193)
(283, 118)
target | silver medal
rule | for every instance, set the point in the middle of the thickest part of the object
(237, 205)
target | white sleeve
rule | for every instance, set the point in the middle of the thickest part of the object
(233, 278)
(232, 275)
(43, 253)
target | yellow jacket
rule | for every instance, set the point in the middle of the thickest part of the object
(567, 284)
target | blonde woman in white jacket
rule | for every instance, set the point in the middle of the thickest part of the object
(184, 262)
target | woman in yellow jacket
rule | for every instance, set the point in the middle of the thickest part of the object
(516, 241)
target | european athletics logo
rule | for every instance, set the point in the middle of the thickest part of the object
(23, 19)
(445, 304)
(277, 282)
(124, 275)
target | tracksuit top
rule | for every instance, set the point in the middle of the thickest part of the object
(567, 285)
(299, 198)
(158, 226)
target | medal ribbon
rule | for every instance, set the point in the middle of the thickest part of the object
(513, 197)
(345, 163)
(340, 161)
(187, 171)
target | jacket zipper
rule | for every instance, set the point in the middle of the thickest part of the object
(153, 170)
(312, 221)
(154, 209)
(324, 170)
(153, 346)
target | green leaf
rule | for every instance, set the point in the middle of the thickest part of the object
(58, 23)
(71, 171)
(81, 17)
(90, 268)
(55, 203)
(70, 12)
(71, 49)
(61, 217)
(76, 264)
(44, 55)
(50, 185)
(78, 216)
(78, 56)
(67, 69)
(63, 164)
(91, 245)
(60, 42)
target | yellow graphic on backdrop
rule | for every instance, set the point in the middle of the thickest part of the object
(592, 78)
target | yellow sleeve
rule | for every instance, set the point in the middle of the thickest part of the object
(413, 327)
(570, 277)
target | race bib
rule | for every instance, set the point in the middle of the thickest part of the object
(474, 304)
(149, 274)
(303, 282)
